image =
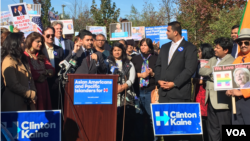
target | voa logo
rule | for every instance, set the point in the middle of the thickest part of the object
(29, 129)
(174, 118)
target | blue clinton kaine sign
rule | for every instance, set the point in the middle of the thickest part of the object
(176, 119)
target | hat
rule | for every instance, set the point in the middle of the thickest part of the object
(244, 34)
(131, 42)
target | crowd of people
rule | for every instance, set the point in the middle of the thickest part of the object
(30, 66)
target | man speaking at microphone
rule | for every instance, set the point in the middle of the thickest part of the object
(88, 61)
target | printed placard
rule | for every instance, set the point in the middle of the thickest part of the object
(6, 18)
(97, 30)
(176, 119)
(235, 76)
(21, 19)
(34, 9)
(138, 33)
(33, 125)
(93, 91)
(120, 31)
(68, 27)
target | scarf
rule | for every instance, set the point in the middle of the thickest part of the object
(144, 67)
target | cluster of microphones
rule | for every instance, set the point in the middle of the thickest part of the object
(67, 67)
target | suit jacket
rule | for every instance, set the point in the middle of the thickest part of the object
(69, 46)
(16, 79)
(218, 99)
(53, 81)
(16, 14)
(82, 63)
(180, 70)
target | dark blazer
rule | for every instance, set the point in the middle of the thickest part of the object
(15, 14)
(57, 58)
(69, 46)
(180, 70)
(82, 63)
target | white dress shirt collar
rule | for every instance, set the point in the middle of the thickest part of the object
(178, 42)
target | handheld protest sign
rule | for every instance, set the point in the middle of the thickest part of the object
(228, 77)
(138, 33)
(97, 30)
(235, 76)
(34, 9)
(68, 27)
(120, 31)
(21, 19)
(33, 125)
(171, 119)
(6, 18)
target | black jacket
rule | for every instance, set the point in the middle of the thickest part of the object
(58, 57)
(69, 46)
(82, 67)
(180, 70)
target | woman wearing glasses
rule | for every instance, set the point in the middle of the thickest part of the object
(41, 68)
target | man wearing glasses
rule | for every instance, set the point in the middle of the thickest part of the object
(218, 104)
(242, 96)
(100, 42)
(55, 55)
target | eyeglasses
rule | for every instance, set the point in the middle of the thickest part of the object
(48, 35)
(101, 40)
(241, 43)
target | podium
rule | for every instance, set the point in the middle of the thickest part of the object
(93, 122)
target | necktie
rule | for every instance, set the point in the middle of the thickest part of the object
(60, 45)
(88, 58)
(21, 13)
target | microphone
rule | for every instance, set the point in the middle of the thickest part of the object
(64, 65)
(71, 68)
(114, 69)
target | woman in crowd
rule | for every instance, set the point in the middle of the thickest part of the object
(4, 35)
(144, 84)
(205, 51)
(20, 91)
(126, 71)
(40, 69)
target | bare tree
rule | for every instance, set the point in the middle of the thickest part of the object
(81, 15)
(170, 8)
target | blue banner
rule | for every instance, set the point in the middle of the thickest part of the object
(176, 119)
(33, 125)
(93, 91)
(159, 34)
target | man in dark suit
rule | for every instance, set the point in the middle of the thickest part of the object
(15, 13)
(55, 55)
(234, 36)
(174, 68)
(64, 43)
(88, 60)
